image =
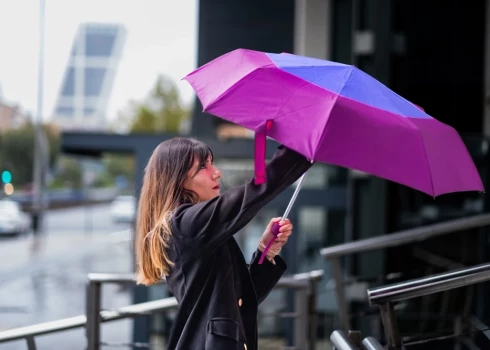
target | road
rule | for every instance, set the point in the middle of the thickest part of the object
(46, 282)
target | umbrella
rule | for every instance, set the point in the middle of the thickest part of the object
(334, 113)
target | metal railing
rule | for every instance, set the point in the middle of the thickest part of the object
(305, 316)
(304, 285)
(341, 341)
(30, 332)
(385, 296)
(335, 253)
(371, 343)
(352, 341)
(93, 305)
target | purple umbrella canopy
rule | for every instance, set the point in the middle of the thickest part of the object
(334, 113)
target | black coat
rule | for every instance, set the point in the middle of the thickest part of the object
(218, 293)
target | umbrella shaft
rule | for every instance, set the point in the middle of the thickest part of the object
(295, 194)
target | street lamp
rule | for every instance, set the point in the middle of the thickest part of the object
(40, 144)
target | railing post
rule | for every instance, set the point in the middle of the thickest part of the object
(355, 336)
(390, 325)
(31, 343)
(93, 315)
(312, 313)
(340, 293)
(301, 319)
(457, 329)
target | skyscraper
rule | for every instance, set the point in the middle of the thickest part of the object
(89, 76)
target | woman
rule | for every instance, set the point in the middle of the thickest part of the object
(185, 233)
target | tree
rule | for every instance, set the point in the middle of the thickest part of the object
(119, 164)
(17, 151)
(163, 110)
(69, 172)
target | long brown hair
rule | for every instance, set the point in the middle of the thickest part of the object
(162, 192)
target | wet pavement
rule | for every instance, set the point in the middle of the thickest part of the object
(46, 281)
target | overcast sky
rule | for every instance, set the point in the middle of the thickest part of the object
(161, 38)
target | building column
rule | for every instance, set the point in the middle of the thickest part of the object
(312, 34)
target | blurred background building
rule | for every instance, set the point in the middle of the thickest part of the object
(89, 77)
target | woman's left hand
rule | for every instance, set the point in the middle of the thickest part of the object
(286, 228)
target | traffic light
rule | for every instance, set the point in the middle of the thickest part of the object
(6, 177)
(8, 189)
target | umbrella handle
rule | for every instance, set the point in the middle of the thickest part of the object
(276, 226)
(275, 231)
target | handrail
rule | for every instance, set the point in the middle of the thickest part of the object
(149, 307)
(405, 236)
(341, 341)
(385, 296)
(296, 280)
(429, 285)
(43, 328)
(371, 343)
(118, 278)
(334, 253)
(81, 321)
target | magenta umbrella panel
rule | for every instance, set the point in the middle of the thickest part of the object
(337, 114)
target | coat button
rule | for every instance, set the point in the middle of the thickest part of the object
(240, 302)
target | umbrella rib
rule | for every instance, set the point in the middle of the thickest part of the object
(232, 87)
(428, 163)
(278, 114)
(406, 119)
(333, 106)
(296, 110)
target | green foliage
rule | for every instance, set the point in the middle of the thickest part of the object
(69, 172)
(162, 112)
(119, 164)
(17, 151)
(103, 180)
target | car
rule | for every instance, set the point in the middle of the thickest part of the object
(123, 209)
(13, 220)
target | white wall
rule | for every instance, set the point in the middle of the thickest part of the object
(312, 28)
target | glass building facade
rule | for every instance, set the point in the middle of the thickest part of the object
(89, 76)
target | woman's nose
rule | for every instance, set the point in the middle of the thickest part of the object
(217, 173)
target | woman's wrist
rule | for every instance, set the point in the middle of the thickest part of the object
(271, 253)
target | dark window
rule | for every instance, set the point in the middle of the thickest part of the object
(99, 44)
(69, 83)
(94, 78)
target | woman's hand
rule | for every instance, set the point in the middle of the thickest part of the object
(286, 228)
